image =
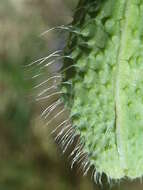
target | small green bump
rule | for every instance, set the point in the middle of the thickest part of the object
(110, 26)
(140, 61)
(137, 116)
(76, 53)
(138, 91)
(126, 87)
(115, 39)
(134, 32)
(85, 32)
(129, 104)
(108, 85)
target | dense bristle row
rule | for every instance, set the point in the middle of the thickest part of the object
(56, 93)
(93, 91)
(50, 95)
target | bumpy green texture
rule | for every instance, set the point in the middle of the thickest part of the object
(107, 84)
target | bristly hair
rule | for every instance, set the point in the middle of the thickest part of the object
(50, 74)
(49, 94)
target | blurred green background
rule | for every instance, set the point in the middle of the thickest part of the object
(29, 158)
